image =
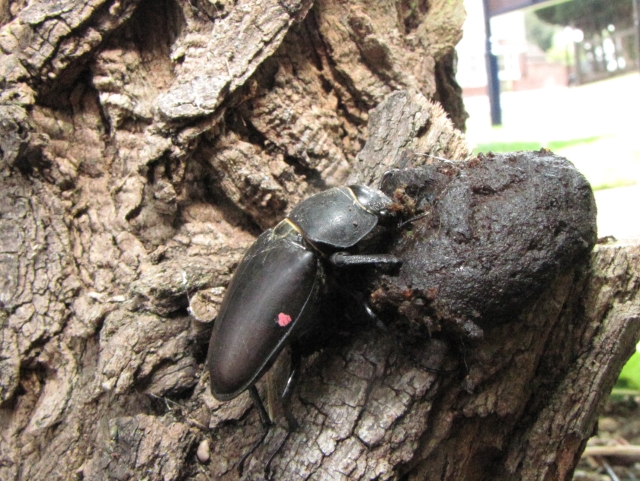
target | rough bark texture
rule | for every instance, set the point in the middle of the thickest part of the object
(145, 144)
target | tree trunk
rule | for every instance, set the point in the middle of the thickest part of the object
(146, 144)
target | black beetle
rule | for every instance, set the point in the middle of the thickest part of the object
(274, 296)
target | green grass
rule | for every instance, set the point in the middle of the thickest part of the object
(630, 376)
(593, 125)
(605, 160)
(507, 146)
(562, 144)
(515, 145)
(615, 183)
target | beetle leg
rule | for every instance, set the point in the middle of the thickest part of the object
(358, 308)
(373, 318)
(264, 420)
(386, 175)
(262, 412)
(296, 360)
(362, 310)
(343, 259)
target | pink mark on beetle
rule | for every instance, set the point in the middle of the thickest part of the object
(284, 319)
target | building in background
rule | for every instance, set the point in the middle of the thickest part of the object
(522, 64)
(594, 39)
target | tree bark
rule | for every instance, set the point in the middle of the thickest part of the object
(145, 145)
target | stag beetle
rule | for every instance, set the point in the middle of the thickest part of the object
(274, 297)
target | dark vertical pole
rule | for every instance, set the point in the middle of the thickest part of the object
(493, 83)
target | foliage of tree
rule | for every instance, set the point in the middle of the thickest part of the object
(590, 16)
(538, 31)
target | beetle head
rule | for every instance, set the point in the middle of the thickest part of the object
(372, 200)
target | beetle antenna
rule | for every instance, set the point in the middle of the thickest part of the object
(412, 219)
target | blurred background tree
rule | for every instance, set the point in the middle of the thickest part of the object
(539, 31)
(590, 16)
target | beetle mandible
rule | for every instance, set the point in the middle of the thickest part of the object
(274, 295)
